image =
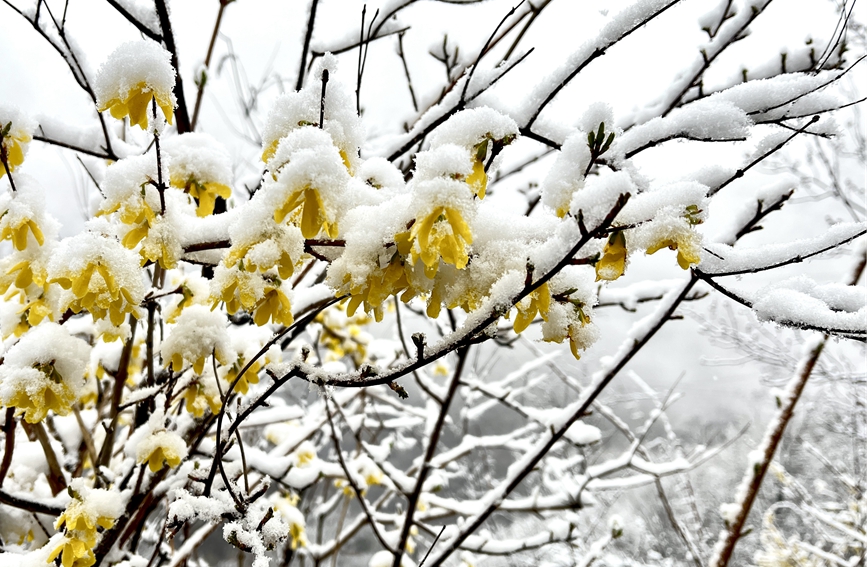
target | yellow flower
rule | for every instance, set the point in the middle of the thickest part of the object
(312, 214)
(43, 390)
(18, 233)
(539, 301)
(237, 291)
(380, 284)
(198, 398)
(161, 447)
(478, 179)
(13, 146)
(687, 245)
(73, 553)
(205, 192)
(251, 376)
(78, 518)
(443, 233)
(135, 105)
(274, 306)
(96, 290)
(612, 264)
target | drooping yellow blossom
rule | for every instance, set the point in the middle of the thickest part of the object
(135, 105)
(274, 307)
(478, 179)
(539, 301)
(284, 263)
(687, 244)
(443, 233)
(79, 518)
(96, 290)
(380, 284)
(18, 233)
(285, 506)
(47, 395)
(197, 398)
(237, 289)
(251, 376)
(13, 144)
(205, 192)
(612, 264)
(73, 552)
(161, 447)
(311, 217)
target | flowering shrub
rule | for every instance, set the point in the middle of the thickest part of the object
(293, 363)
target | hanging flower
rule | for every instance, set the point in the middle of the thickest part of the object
(102, 276)
(16, 131)
(43, 372)
(612, 264)
(135, 74)
(539, 301)
(199, 166)
(159, 448)
(198, 333)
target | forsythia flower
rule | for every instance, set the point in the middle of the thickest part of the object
(198, 333)
(16, 131)
(134, 75)
(161, 447)
(686, 241)
(43, 372)
(199, 166)
(73, 552)
(539, 301)
(274, 307)
(442, 233)
(284, 505)
(199, 396)
(612, 264)
(379, 285)
(87, 512)
(311, 218)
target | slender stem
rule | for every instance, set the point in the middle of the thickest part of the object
(202, 80)
(430, 451)
(181, 116)
(56, 480)
(9, 443)
(311, 20)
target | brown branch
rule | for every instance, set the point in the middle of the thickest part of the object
(9, 443)
(29, 505)
(202, 80)
(307, 37)
(181, 116)
(430, 451)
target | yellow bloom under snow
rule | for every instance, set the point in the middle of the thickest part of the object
(379, 285)
(35, 403)
(135, 105)
(539, 301)
(96, 290)
(162, 447)
(13, 144)
(197, 398)
(17, 233)
(274, 307)
(73, 552)
(478, 179)
(311, 218)
(134, 75)
(442, 233)
(205, 192)
(612, 264)
(687, 244)
(77, 517)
